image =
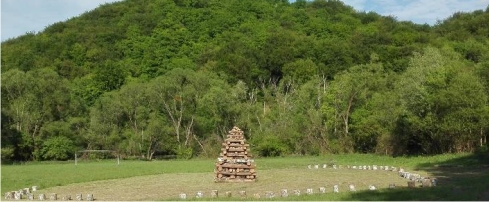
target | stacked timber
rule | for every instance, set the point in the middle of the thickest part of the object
(235, 163)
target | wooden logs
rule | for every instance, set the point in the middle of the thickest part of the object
(234, 162)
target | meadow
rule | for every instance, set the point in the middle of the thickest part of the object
(461, 177)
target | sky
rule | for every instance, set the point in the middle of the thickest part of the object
(21, 16)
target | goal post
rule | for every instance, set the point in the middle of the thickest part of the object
(96, 151)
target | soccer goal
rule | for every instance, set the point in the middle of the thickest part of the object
(106, 152)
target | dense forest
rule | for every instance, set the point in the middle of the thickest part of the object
(147, 78)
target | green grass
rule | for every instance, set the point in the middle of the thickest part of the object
(48, 174)
(464, 177)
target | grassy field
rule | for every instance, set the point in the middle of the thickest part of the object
(461, 177)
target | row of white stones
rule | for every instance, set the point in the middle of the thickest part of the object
(426, 181)
(28, 193)
(271, 194)
(361, 167)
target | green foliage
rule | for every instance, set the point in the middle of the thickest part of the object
(57, 148)
(184, 153)
(313, 77)
(7, 154)
(270, 146)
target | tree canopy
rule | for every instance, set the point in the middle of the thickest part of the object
(148, 78)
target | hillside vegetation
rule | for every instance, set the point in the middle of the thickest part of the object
(170, 77)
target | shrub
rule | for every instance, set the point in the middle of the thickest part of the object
(271, 146)
(57, 148)
(7, 154)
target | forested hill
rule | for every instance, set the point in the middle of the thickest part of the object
(156, 77)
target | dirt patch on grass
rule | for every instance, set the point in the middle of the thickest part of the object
(169, 186)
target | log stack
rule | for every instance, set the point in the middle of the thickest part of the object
(235, 163)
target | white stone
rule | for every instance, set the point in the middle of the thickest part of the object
(372, 187)
(183, 196)
(17, 195)
(9, 195)
(284, 193)
(316, 166)
(89, 197)
(392, 186)
(374, 167)
(269, 194)
(309, 191)
(365, 167)
(199, 194)
(325, 166)
(381, 167)
(322, 190)
(297, 192)
(352, 187)
(354, 167)
(434, 181)
(42, 197)
(334, 166)
(214, 193)
(309, 166)
(79, 197)
(66, 198)
(336, 188)
(53, 197)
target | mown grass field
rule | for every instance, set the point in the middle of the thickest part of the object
(461, 177)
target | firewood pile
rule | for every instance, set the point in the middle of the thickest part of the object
(235, 163)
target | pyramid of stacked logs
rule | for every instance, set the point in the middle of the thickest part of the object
(234, 163)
